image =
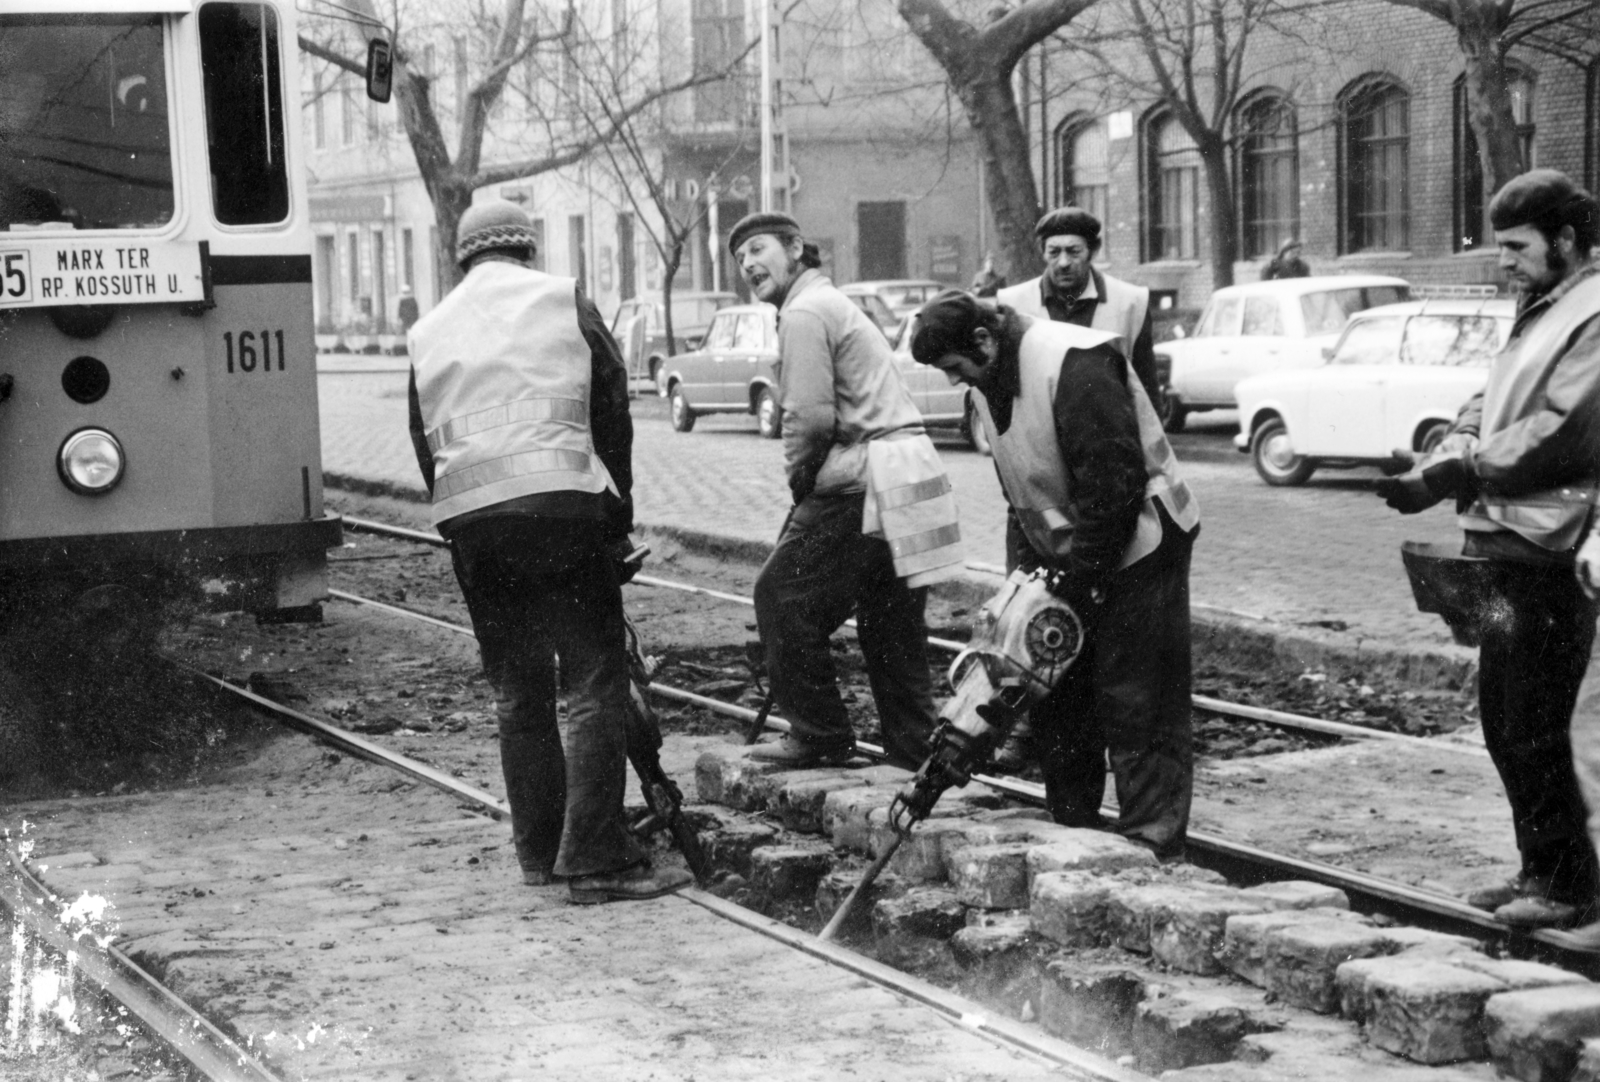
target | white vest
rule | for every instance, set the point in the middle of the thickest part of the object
(1121, 311)
(503, 373)
(1028, 455)
(1553, 518)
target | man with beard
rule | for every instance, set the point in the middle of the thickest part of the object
(1071, 291)
(843, 404)
(1522, 462)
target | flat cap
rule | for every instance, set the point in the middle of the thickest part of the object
(1540, 197)
(495, 224)
(1073, 221)
(945, 325)
(762, 221)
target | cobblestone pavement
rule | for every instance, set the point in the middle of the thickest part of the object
(1323, 556)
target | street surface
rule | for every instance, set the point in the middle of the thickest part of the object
(1323, 556)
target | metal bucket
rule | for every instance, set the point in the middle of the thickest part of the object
(1459, 588)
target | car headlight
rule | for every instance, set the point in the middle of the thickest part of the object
(91, 462)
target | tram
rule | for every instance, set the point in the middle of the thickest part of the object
(158, 398)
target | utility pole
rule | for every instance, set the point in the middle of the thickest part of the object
(765, 7)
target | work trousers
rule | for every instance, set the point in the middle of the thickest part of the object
(539, 589)
(1535, 646)
(1128, 694)
(822, 569)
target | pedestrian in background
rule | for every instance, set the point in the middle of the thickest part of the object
(1522, 461)
(1071, 291)
(851, 436)
(1287, 263)
(1093, 493)
(519, 416)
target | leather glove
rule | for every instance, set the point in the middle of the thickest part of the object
(1425, 485)
(626, 558)
(1588, 565)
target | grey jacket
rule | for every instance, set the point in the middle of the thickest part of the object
(838, 387)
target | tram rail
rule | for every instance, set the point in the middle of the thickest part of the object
(1240, 860)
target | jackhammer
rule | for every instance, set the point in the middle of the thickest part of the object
(662, 797)
(1025, 639)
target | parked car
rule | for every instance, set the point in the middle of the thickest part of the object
(1261, 327)
(732, 371)
(942, 404)
(644, 344)
(899, 296)
(1394, 382)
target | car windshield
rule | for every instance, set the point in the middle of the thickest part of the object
(85, 141)
(696, 311)
(1328, 311)
(1466, 341)
(1371, 341)
(912, 294)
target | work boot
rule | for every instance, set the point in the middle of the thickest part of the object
(1520, 885)
(538, 877)
(630, 884)
(797, 754)
(1537, 911)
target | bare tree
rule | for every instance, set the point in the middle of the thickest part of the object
(564, 134)
(1486, 31)
(1193, 54)
(979, 63)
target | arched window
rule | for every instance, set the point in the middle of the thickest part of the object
(1172, 173)
(1269, 174)
(1471, 229)
(1374, 167)
(1083, 160)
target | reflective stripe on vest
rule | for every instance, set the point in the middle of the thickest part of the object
(1036, 481)
(503, 380)
(1553, 519)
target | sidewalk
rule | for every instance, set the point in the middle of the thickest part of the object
(1314, 568)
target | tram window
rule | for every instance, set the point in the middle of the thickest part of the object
(244, 113)
(85, 141)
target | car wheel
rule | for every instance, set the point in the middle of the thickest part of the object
(656, 370)
(1172, 413)
(682, 415)
(1274, 456)
(973, 431)
(769, 419)
(1432, 436)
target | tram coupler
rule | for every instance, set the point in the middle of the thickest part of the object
(662, 797)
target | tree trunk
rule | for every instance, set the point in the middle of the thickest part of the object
(991, 108)
(1479, 27)
(450, 202)
(1224, 212)
(671, 260)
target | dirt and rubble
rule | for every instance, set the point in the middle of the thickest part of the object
(1430, 818)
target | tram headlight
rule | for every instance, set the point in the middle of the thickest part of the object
(91, 462)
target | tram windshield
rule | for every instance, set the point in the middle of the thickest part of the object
(85, 140)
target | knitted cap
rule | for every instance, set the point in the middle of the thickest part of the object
(768, 221)
(497, 224)
(1069, 221)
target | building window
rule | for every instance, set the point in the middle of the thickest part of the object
(1375, 150)
(353, 248)
(717, 27)
(347, 112)
(1083, 165)
(1269, 175)
(408, 273)
(319, 115)
(1471, 227)
(578, 251)
(1172, 169)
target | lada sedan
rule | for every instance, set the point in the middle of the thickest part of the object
(1247, 330)
(733, 371)
(640, 328)
(1396, 379)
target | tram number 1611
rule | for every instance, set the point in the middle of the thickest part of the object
(249, 357)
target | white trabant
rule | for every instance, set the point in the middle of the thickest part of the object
(1263, 327)
(1394, 382)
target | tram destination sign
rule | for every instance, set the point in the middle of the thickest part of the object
(40, 273)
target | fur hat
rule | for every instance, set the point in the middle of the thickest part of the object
(496, 224)
(766, 221)
(1073, 221)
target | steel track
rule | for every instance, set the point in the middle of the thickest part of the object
(1278, 718)
(185, 1030)
(1240, 861)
